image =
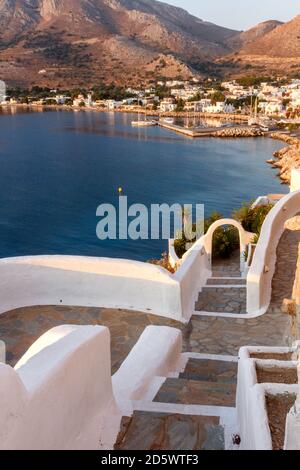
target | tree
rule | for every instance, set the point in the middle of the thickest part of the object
(196, 97)
(180, 106)
(162, 92)
(252, 81)
(217, 97)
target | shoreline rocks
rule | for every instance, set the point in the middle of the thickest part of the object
(238, 132)
(288, 158)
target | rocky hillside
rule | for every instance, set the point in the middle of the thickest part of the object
(75, 42)
(82, 42)
(269, 48)
(248, 37)
(281, 41)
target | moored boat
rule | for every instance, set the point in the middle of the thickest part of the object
(168, 120)
(146, 123)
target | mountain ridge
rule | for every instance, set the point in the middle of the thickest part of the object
(102, 39)
(275, 52)
(82, 42)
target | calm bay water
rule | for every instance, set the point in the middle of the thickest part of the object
(57, 167)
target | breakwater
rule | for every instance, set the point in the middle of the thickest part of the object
(222, 132)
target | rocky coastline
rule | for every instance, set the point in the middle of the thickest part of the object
(287, 158)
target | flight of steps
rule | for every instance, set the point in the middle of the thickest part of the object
(223, 295)
(203, 382)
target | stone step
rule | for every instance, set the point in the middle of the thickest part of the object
(210, 371)
(163, 431)
(219, 273)
(222, 300)
(224, 281)
(195, 392)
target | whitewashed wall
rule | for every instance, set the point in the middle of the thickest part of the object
(252, 413)
(103, 282)
(192, 276)
(156, 354)
(250, 402)
(261, 272)
(59, 395)
(295, 180)
(83, 281)
(110, 283)
(2, 351)
(244, 237)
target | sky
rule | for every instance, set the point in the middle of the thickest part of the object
(240, 14)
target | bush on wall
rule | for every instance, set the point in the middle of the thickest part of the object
(225, 239)
(252, 219)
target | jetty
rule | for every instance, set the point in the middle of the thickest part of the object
(222, 131)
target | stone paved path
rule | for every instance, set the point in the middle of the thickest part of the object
(163, 431)
(225, 291)
(20, 328)
(203, 334)
(222, 281)
(222, 299)
(210, 371)
(227, 268)
(212, 335)
(211, 383)
(287, 257)
(203, 382)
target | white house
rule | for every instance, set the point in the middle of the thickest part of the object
(129, 101)
(61, 99)
(274, 107)
(112, 104)
(79, 101)
(196, 106)
(174, 83)
(219, 107)
(89, 100)
(167, 105)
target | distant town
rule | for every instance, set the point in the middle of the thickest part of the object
(270, 97)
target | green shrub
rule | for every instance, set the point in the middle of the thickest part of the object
(225, 239)
(257, 217)
(214, 216)
(242, 213)
(252, 219)
(180, 247)
(225, 242)
(180, 106)
(163, 262)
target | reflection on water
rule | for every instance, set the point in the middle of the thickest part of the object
(200, 123)
(140, 134)
(106, 124)
(11, 110)
(57, 167)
